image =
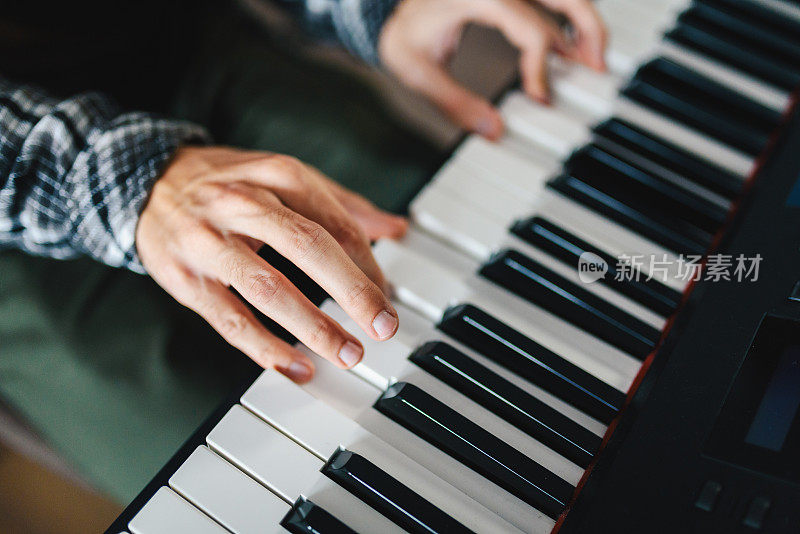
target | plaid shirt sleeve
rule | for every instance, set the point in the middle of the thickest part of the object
(75, 173)
(355, 23)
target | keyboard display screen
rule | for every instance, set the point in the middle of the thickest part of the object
(778, 407)
(759, 424)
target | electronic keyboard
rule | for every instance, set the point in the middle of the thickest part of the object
(599, 319)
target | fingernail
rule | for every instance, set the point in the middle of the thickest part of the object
(350, 354)
(385, 324)
(298, 371)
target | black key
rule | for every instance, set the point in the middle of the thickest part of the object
(776, 35)
(506, 400)
(566, 247)
(698, 34)
(650, 225)
(630, 184)
(539, 285)
(785, 28)
(384, 493)
(703, 104)
(531, 361)
(474, 447)
(306, 517)
(623, 134)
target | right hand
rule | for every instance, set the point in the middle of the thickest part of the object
(212, 210)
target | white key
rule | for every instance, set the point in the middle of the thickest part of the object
(586, 89)
(290, 409)
(557, 129)
(628, 48)
(502, 165)
(167, 513)
(457, 220)
(321, 429)
(416, 330)
(353, 397)
(418, 279)
(226, 494)
(650, 15)
(595, 92)
(605, 234)
(439, 213)
(389, 359)
(465, 181)
(473, 186)
(286, 468)
(426, 246)
(561, 128)
(464, 267)
(264, 453)
(687, 138)
(668, 10)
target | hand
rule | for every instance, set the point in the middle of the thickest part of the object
(215, 207)
(421, 35)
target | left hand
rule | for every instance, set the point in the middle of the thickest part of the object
(421, 35)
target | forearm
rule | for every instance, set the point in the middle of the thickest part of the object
(75, 173)
(354, 23)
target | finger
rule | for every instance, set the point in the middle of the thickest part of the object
(375, 222)
(532, 35)
(534, 74)
(462, 106)
(313, 250)
(320, 204)
(307, 191)
(588, 24)
(277, 298)
(236, 324)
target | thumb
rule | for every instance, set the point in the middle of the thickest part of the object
(462, 106)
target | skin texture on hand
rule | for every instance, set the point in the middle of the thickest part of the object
(211, 211)
(421, 35)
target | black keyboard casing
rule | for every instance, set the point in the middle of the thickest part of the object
(654, 465)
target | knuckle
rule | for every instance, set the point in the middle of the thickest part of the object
(284, 164)
(234, 267)
(233, 325)
(266, 287)
(307, 237)
(209, 193)
(360, 292)
(322, 334)
(230, 196)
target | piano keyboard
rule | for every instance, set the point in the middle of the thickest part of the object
(486, 408)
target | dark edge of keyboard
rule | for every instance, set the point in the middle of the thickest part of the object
(579, 514)
(317, 296)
